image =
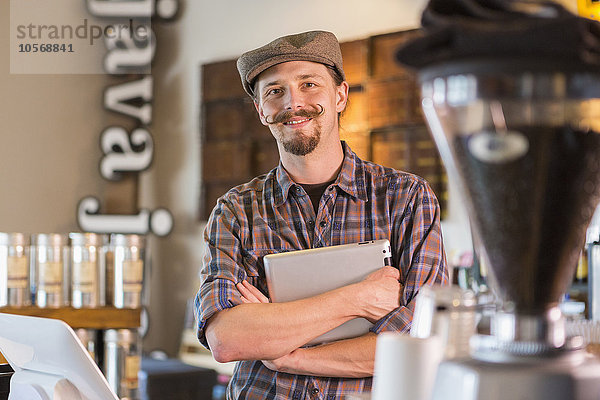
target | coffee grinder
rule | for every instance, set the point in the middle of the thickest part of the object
(518, 126)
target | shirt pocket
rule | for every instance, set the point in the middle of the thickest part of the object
(255, 267)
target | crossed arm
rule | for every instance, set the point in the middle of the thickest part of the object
(279, 329)
(351, 358)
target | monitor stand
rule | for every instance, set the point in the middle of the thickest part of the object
(34, 385)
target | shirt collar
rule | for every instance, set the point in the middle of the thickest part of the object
(351, 178)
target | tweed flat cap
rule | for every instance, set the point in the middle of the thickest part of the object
(318, 46)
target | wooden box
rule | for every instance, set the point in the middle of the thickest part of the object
(211, 192)
(383, 54)
(265, 156)
(413, 150)
(354, 117)
(391, 103)
(356, 56)
(224, 120)
(253, 128)
(221, 81)
(359, 142)
(391, 149)
(226, 160)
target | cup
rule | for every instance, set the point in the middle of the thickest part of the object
(405, 366)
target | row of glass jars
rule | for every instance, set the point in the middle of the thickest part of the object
(84, 270)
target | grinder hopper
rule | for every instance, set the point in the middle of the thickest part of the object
(517, 123)
(513, 101)
(526, 148)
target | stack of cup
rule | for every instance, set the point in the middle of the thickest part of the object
(126, 270)
(87, 269)
(50, 259)
(122, 358)
(14, 270)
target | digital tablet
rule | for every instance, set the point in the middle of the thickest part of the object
(306, 273)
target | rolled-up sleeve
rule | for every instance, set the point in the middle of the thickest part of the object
(420, 252)
(221, 267)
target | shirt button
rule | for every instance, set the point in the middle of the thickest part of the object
(323, 224)
(311, 223)
(330, 188)
(314, 391)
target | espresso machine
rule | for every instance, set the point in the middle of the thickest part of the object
(517, 123)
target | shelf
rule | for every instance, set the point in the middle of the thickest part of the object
(90, 318)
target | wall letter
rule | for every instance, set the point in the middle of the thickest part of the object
(134, 8)
(159, 221)
(126, 56)
(115, 98)
(120, 155)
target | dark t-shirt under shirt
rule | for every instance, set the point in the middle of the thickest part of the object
(315, 192)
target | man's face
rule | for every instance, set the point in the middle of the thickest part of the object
(299, 102)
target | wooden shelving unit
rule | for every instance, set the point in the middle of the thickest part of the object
(90, 318)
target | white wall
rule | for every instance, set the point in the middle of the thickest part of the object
(214, 31)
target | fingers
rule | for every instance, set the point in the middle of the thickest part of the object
(385, 272)
(257, 293)
(247, 295)
(392, 272)
(250, 294)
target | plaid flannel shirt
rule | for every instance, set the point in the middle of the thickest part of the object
(273, 214)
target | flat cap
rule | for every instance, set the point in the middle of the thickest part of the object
(317, 46)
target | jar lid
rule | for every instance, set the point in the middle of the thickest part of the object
(117, 239)
(126, 336)
(87, 239)
(49, 239)
(448, 297)
(13, 239)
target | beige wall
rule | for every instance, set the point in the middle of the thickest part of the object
(49, 151)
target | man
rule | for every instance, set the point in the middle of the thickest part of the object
(321, 194)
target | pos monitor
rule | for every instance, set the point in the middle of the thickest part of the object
(49, 361)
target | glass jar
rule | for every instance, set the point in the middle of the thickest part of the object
(50, 255)
(126, 270)
(88, 269)
(14, 270)
(122, 360)
(448, 312)
(87, 337)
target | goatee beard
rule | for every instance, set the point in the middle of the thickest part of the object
(302, 145)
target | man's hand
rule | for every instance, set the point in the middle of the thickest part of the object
(283, 364)
(379, 293)
(250, 294)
